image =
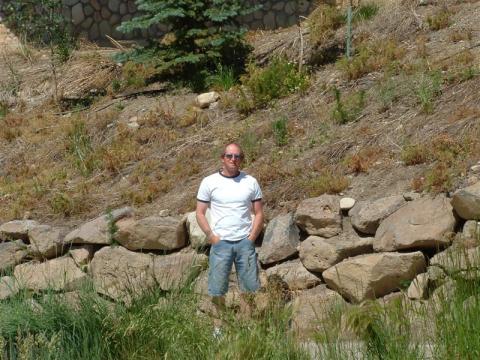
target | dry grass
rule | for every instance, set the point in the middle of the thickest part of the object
(323, 22)
(363, 160)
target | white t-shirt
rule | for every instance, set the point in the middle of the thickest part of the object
(230, 201)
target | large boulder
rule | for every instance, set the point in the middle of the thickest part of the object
(12, 253)
(318, 254)
(197, 237)
(173, 271)
(320, 216)
(280, 240)
(121, 274)
(152, 233)
(8, 287)
(82, 254)
(470, 235)
(373, 275)
(16, 229)
(47, 242)
(366, 216)
(427, 222)
(457, 259)
(294, 275)
(419, 287)
(56, 274)
(98, 231)
(466, 202)
(312, 309)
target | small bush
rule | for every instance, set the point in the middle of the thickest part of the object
(371, 56)
(457, 35)
(439, 20)
(251, 145)
(361, 161)
(427, 88)
(280, 131)
(280, 78)
(414, 154)
(327, 182)
(386, 92)
(347, 110)
(223, 79)
(365, 12)
(323, 21)
(3, 110)
(79, 145)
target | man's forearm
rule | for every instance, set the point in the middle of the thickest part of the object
(204, 225)
(257, 226)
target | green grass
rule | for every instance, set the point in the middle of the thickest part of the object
(156, 326)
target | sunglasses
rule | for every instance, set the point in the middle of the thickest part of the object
(233, 156)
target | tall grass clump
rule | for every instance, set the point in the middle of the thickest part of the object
(280, 131)
(79, 145)
(347, 109)
(279, 79)
(427, 89)
(157, 325)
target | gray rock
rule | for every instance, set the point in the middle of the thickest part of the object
(82, 254)
(172, 271)
(423, 223)
(123, 9)
(88, 10)
(320, 216)
(204, 100)
(77, 14)
(70, 2)
(367, 215)
(16, 229)
(346, 203)
(466, 202)
(94, 34)
(457, 259)
(291, 7)
(12, 253)
(8, 287)
(280, 240)
(418, 289)
(311, 308)
(269, 20)
(470, 236)
(374, 275)
(47, 242)
(196, 236)
(152, 233)
(114, 5)
(294, 275)
(99, 230)
(57, 274)
(318, 254)
(122, 274)
(281, 20)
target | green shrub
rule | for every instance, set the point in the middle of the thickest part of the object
(439, 20)
(345, 111)
(42, 22)
(280, 131)
(3, 110)
(427, 89)
(323, 22)
(79, 145)
(280, 78)
(223, 79)
(204, 33)
(365, 12)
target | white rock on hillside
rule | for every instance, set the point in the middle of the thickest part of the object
(152, 233)
(470, 236)
(280, 240)
(121, 274)
(81, 254)
(418, 289)
(367, 215)
(294, 275)
(318, 254)
(346, 203)
(16, 229)
(172, 271)
(320, 216)
(312, 307)
(466, 202)
(98, 231)
(12, 253)
(204, 100)
(55, 274)
(373, 275)
(47, 242)
(197, 237)
(423, 223)
(8, 287)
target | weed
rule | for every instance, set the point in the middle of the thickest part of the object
(371, 56)
(466, 57)
(427, 88)
(386, 91)
(79, 145)
(421, 46)
(414, 154)
(245, 104)
(323, 21)
(193, 115)
(345, 111)
(251, 146)
(365, 12)
(280, 131)
(3, 110)
(327, 182)
(440, 19)
(134, 76)
(280, 78)
(66, 205)
(361, 161)
(457, 35)
(223, 79)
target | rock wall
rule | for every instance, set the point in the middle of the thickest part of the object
(93, 19)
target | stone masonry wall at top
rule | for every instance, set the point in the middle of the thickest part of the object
(93, 19)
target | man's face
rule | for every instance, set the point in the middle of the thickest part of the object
(232, 158)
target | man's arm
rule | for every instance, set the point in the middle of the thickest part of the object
(203, 223)
(257, 208)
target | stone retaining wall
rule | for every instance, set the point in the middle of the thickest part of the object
(93, 19)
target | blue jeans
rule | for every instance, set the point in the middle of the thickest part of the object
(222, 255)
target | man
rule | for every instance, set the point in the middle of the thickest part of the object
(232, 196)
